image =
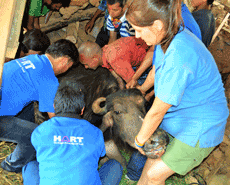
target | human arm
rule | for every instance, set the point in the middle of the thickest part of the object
(152, 120)
(149, 82)
(112, 36)
(90, 24)
(119, 79)
(198, 3)
(147, 62)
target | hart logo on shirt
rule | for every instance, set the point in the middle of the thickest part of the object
(25, 64)
(72, 140)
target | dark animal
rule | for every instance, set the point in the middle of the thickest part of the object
(108, 106)
(124, 111)
(94, 84)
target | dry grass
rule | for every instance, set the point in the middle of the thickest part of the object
(8, 178)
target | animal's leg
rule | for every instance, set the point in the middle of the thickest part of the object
(113, 152)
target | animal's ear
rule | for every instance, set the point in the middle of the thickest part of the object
(96, 106)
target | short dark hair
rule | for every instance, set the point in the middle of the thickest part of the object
(36, 40)
(63, 48)
(69, 100)
(64, 3)
(112, 2)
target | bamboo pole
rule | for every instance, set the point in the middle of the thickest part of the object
(220, 27)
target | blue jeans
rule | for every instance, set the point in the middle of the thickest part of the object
(135, 166)
(18, 130)
(110, 173)
(143, 77)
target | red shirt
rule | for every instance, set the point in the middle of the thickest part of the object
(123, 54)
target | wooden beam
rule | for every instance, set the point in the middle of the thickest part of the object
(7, 9)
(220, 26)
(58, 23)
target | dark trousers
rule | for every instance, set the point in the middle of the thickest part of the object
(18, 130)
(103, 37)
(206, 22)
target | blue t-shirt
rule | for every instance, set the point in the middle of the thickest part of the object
(189, 21)
(68, 151)
(187, 77)
(25, 80)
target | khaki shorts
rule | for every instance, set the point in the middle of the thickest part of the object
(182, 158)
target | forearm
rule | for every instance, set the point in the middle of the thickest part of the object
(147, 62)
(149, 82)
(119, 80)
(152, 119)
(112, 37)
(143, 67)
(96, 15)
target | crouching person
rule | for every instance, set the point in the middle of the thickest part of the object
(68, 148)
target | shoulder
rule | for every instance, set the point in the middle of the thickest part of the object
(185, 41)
(43, 128)
(187, 49)
(94, 131)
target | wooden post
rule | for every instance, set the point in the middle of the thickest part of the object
(220, 27)
(9, 15)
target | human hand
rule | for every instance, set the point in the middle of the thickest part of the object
(154, 153)
(156, 145)
(196, 3)
(89, 26)
(131, 84)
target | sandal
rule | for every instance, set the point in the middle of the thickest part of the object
(199, 179)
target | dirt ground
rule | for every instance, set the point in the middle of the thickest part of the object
(216, 168)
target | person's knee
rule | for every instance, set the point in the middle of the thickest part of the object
(30, 173)
(153, 177)
(31, 166)
(115, 165)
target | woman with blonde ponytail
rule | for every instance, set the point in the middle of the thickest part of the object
(190, 103)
